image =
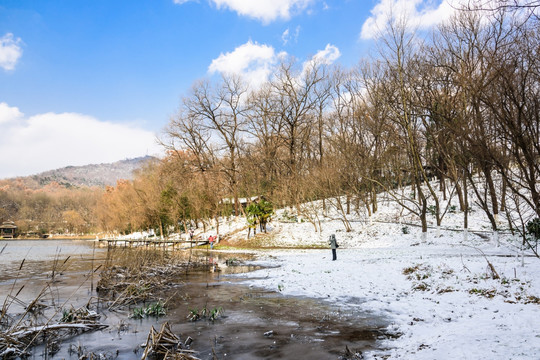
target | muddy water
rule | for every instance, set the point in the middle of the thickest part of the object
(256, 324)
(295, 328)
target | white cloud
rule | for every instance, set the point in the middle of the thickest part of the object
(9, 115)
(419, 13)
(10, 51)
(180, 2)
(264, 10)
(287, 36)
(255, 63)
(49, 141)
(252, 61)
(327, 57)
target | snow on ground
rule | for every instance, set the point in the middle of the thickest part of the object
(440, 295)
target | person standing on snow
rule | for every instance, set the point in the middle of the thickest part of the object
(333, 245)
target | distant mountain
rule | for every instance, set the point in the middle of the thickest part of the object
(92, 175)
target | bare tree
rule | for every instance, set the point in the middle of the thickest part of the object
(402, 73)
(514, 102)
(220, 112)
(296, 105)
(265, 152)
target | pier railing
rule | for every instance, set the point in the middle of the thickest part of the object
(153, 242)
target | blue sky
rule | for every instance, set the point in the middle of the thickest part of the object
(96, 80)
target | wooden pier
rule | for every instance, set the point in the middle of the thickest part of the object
(154, 243)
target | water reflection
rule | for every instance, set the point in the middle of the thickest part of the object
(17, 250)
(36, 254)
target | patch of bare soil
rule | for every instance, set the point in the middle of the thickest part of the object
(257, 242)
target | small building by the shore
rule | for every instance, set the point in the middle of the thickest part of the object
(8, 230)
(243, 202)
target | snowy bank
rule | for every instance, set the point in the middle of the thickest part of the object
(442, 296)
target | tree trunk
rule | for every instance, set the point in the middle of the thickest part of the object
(460, 197)
(492, 192)
(503, 195)
(423, 212)
(161, 235)
(442, 186)
(373, 199)
(465, 204)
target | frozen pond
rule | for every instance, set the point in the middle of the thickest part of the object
(256, 324)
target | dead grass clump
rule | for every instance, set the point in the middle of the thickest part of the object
(488, 293)
(411, 269)
(444, 290)
(27, 332)
(422, 287)
(81, 315)
(418, 272)
(83, 354)
(164, 344)
(131, 276)
(39, 323)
